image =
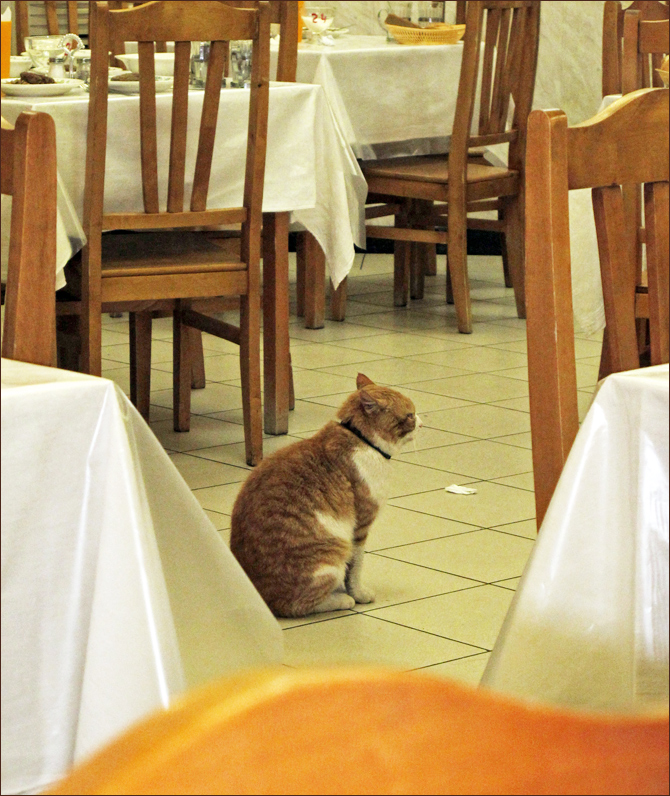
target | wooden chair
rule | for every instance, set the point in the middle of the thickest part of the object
(645, 43)
(29, 177)
(613, 33)
(625, 144)
(22, 20)
(465, 180)
(354, 731)
(165, 269)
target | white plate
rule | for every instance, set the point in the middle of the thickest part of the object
(133, 86)
(61, 86)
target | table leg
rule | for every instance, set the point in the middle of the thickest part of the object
(312, 264)
(338, 300)
(275, 322)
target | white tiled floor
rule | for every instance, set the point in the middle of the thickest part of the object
(444, 566)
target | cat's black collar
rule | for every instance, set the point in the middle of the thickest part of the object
(360, 436)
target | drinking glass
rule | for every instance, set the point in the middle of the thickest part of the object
(402, 10)
(240, 63)
(429, 12)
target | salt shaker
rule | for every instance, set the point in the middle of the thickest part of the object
(57, 67)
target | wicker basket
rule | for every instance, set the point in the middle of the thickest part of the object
(442, 34)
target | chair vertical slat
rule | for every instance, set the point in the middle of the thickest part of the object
(617, 268)
(256, 148)
(552, 377)
(210, 112)
(52, 17)
(72, 17)
(491, 37)
(523, 99)
(287, 61)
(91, 288)
(182, 64)
(630, 66)
(514, 56)
(22, 24)
(656, 212)
(501, 61)
(611, 52)
(148, 139)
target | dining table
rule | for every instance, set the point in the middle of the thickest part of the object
(312, 182)
(588, 625)
(118, 594)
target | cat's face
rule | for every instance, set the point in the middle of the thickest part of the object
(382, 413)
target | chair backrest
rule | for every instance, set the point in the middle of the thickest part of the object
(625, 144)
(613, 24)
(353, 731)
(29, 177)
(461, 7)
(285, 14)
(510, 31)
(181, 22)
(22, 20)
(645, 43)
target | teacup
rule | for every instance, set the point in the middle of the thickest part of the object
(18, 64)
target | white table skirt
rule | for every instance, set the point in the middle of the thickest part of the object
(310, 170)
(117, 592)
(383, 93)
(588, 626)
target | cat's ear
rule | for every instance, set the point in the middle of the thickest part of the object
(368, 403)
(362, 381)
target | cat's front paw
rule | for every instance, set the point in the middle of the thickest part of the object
(363, 595)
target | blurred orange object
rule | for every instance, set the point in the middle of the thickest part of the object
(5, 47)
(301, 5)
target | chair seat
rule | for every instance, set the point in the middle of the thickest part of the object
(432, 168)
(178, 252)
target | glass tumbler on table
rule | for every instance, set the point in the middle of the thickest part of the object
(240, 63)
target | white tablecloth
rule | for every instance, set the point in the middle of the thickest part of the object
(388, 99)
(588, 625)
(117, 592)
(310, 169)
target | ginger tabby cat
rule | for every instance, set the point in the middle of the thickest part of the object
(301, 519)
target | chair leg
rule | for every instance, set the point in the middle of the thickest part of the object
(276, 362)
(139, 324)
(300, 256)
(505, 261)
(250, 370)
(291, 386)
(423, 258)
(338, 301)
(450, 289)
(402, 252)
(181, 372)
(605, 357)
(458, 265)
(198, 380)
(513, 210)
